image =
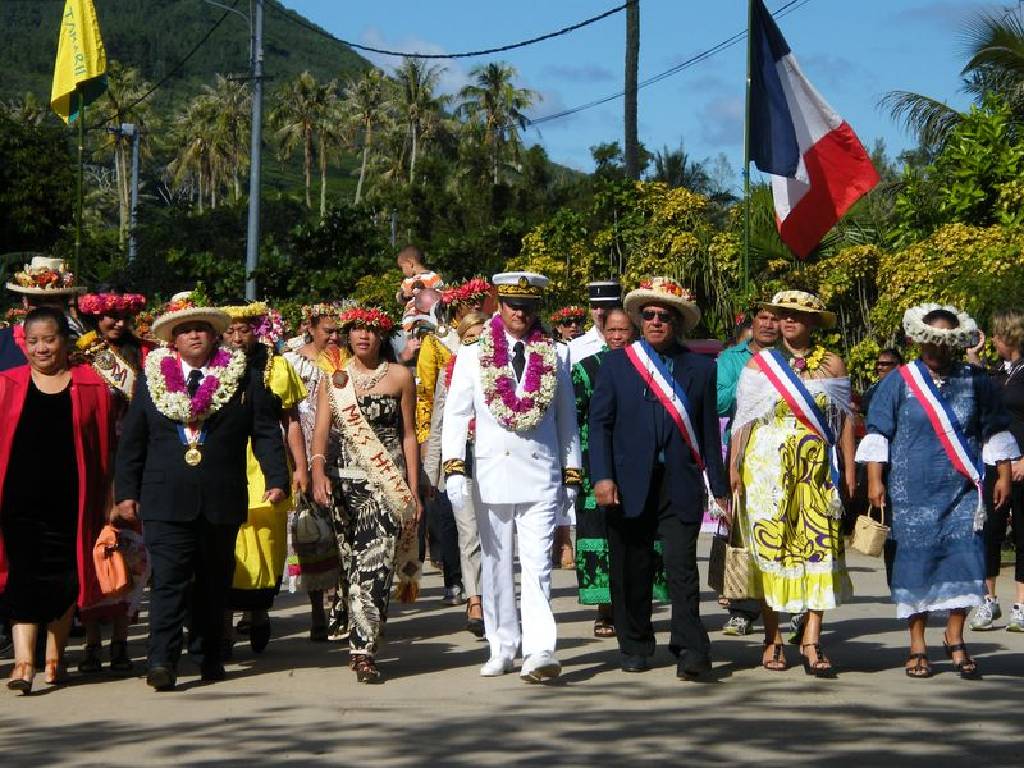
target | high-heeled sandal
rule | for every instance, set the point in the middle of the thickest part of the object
(968, 668)
(921, 667)
(366, 669)
(21, 677)
(55, 672)
(822, 666)
(474, 624)
(777, 662)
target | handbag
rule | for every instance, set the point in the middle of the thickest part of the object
(728, 563)
(111, 569)
(310, 526)
(869, 536)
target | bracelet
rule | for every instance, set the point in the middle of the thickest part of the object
(316, 456)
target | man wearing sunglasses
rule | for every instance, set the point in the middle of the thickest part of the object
(654, 450)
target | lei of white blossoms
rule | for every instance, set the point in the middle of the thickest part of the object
(961, 337)
(510, 410)
(177, 406)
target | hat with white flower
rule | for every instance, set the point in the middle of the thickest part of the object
(667, 292)
(185, 307)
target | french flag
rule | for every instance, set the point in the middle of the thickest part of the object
(818, 166)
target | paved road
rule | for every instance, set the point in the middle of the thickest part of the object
(298, 703)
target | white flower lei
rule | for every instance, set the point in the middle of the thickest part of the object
(961, 337)
(177, 406)
(490, 373)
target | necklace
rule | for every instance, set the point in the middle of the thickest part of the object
(808, 360)
(370, 379)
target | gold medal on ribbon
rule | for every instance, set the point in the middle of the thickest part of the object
(193, 456)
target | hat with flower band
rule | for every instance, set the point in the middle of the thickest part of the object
(667, 292)
(183, 308)
(569, 314)
(802, 301)
(44, 276)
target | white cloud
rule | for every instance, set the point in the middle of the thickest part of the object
(453, 77)
(721, 121)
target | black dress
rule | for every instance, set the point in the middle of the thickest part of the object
(39, 518)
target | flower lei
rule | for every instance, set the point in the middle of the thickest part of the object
(809, 363)
(366, 317)
(168, 391)
(516, 413)
(112, 304)
(961, 337)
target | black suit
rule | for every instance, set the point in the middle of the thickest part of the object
(191, 514)
(634, 442)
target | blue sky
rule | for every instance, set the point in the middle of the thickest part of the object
(853, 52)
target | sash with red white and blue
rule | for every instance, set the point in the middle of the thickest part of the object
(945, 424)
(794, 392)
(669, 391)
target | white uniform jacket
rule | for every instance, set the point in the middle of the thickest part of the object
(511, 467)
(590, 343)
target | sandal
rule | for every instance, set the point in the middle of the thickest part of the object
(474, 624)
(968, 668)
(54, 672)
(822, 666)
(91, 663)
(777, 662)
(120, 661)
(365, 669)
(21, 677)
(603, 627)
(921, 667)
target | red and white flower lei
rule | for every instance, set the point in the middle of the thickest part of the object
(519, 414)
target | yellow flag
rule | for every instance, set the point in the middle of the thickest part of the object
(81, 66)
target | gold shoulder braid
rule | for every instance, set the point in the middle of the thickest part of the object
(454, 467)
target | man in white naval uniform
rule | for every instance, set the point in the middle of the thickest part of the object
(604, 295)
(526, 468)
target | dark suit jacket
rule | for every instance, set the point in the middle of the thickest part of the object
(623, 433)
(151, 464)
(11, 355)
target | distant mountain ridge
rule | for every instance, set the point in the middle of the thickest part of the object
(154, 35)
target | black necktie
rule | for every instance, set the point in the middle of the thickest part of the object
(519, 359)
(195, 376)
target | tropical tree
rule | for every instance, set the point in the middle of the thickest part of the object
(368, 103)
(295, 116)
(418, 106)
(28, 110)
(675, 168)
(194, 133)
(232, 104)
(333, 131)
(493, 100)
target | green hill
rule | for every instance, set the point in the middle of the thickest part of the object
(154, 35)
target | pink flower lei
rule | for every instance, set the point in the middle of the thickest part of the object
(201, 401)
(510, 410)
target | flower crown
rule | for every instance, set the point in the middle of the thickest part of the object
(321, 309)
(963, 336)
(15, 314)
(111, 304)
(366, 317)
(475, 289)
(664, 285)
(565, 313)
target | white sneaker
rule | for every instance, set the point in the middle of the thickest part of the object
(452, 596)
(496, 666)
(984, 615)
(539, 667)
(736, 626)
(1016, 618)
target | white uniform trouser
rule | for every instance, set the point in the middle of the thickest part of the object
(534, 527)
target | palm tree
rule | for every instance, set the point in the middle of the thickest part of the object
(368, 101)
(194, 133)
(232, 102)
(27, 110)
(296, 114)
(418, 107)
(494, 100)
(332, 132)
(121, 103)
(995, 51)
(674, 167)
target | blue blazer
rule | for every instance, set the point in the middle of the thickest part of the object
(624, 423)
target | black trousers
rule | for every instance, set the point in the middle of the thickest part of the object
(193, 563)
(631, 576)
(996, 524)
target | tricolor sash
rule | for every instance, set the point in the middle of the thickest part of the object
(669, 392)
(947, 429)
(794, 392)
(387, 479)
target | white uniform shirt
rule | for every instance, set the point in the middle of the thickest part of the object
(590, 343)
(511, 467)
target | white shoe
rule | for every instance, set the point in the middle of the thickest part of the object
(539, 667)
(496, 666)
(984, 616)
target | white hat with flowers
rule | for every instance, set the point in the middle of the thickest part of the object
(667, 292)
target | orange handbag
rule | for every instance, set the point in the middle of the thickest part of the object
(111, 570)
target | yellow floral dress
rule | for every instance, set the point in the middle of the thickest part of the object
(262, 544)
(795, 540)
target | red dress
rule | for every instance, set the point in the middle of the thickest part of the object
(91, 431)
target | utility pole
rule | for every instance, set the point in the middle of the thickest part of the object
(132, 131)
(252, 242)
(632, 148)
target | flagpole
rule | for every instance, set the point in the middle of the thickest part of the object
(746, 155)
(80, 195)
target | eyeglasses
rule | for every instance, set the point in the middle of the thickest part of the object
(651, 314)
(885, 364)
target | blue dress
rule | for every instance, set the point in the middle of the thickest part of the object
(940, 558)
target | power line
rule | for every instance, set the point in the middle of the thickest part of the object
(295, 18)
(729, 42)
(172, 73)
